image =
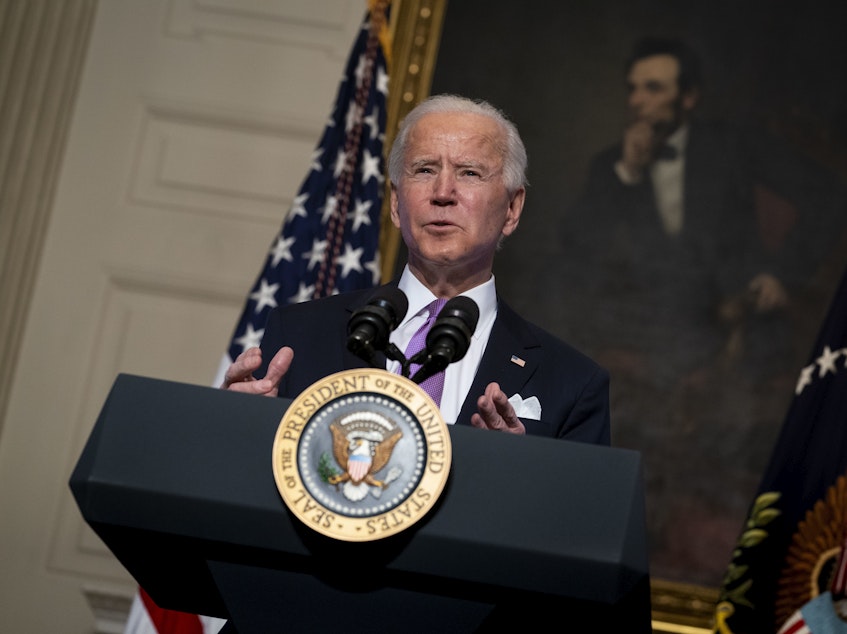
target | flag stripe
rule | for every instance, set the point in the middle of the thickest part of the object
(796, 625)
(166, 621)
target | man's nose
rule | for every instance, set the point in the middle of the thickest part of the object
(635, 98)
(444, 187)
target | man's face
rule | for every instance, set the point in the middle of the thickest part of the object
(654, 95)
(450, 205)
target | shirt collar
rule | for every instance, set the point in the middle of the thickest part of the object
(679, 139)
(419, 296)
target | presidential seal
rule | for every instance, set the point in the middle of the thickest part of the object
(361, 455)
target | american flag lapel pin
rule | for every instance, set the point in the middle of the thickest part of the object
(518, 361)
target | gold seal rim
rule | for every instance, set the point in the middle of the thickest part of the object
(366, 386)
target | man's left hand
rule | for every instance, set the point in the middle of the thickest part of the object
(768, 293)
(496, 412)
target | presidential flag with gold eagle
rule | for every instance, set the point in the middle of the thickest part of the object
(328, 242)
(789, 551)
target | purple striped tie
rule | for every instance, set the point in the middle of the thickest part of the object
(433, 385)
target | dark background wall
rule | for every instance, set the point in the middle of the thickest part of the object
(556, 68)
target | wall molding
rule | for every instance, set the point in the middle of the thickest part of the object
(42, 51)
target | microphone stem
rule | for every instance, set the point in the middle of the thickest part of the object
(393, 352)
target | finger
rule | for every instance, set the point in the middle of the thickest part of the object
(242, 368)
(506, 413)
(489, 406)
(494, 401)
(262, 387)
(279, 364)
(476, 421)
(486, 412)
(498, 398)
(277, 369)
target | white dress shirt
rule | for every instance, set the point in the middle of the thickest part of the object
(459, 375)
(668, 177)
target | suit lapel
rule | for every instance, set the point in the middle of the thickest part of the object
(510, 359)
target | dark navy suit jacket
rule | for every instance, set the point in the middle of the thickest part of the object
(572, 389)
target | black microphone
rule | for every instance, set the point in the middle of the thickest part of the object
(370, 325)
(449, 338)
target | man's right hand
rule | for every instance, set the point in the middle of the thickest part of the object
(639, 145)
(239, 375)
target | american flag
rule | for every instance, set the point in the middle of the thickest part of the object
(328, 242)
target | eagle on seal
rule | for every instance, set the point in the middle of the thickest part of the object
(361, 453)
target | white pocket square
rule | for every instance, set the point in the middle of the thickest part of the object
(526, 408)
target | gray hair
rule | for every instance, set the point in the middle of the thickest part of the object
(514, 152)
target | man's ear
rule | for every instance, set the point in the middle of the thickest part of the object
(395, 215)
(513, 215)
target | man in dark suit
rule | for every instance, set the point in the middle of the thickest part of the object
(667, 234)
(683, 297)
(666, 218)
(457, 171)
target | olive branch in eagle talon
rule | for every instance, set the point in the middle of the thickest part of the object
(362, 447)
(737, 581)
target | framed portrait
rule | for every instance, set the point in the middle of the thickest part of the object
(701, 374)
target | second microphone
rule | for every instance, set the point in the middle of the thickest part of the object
(448, 339)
